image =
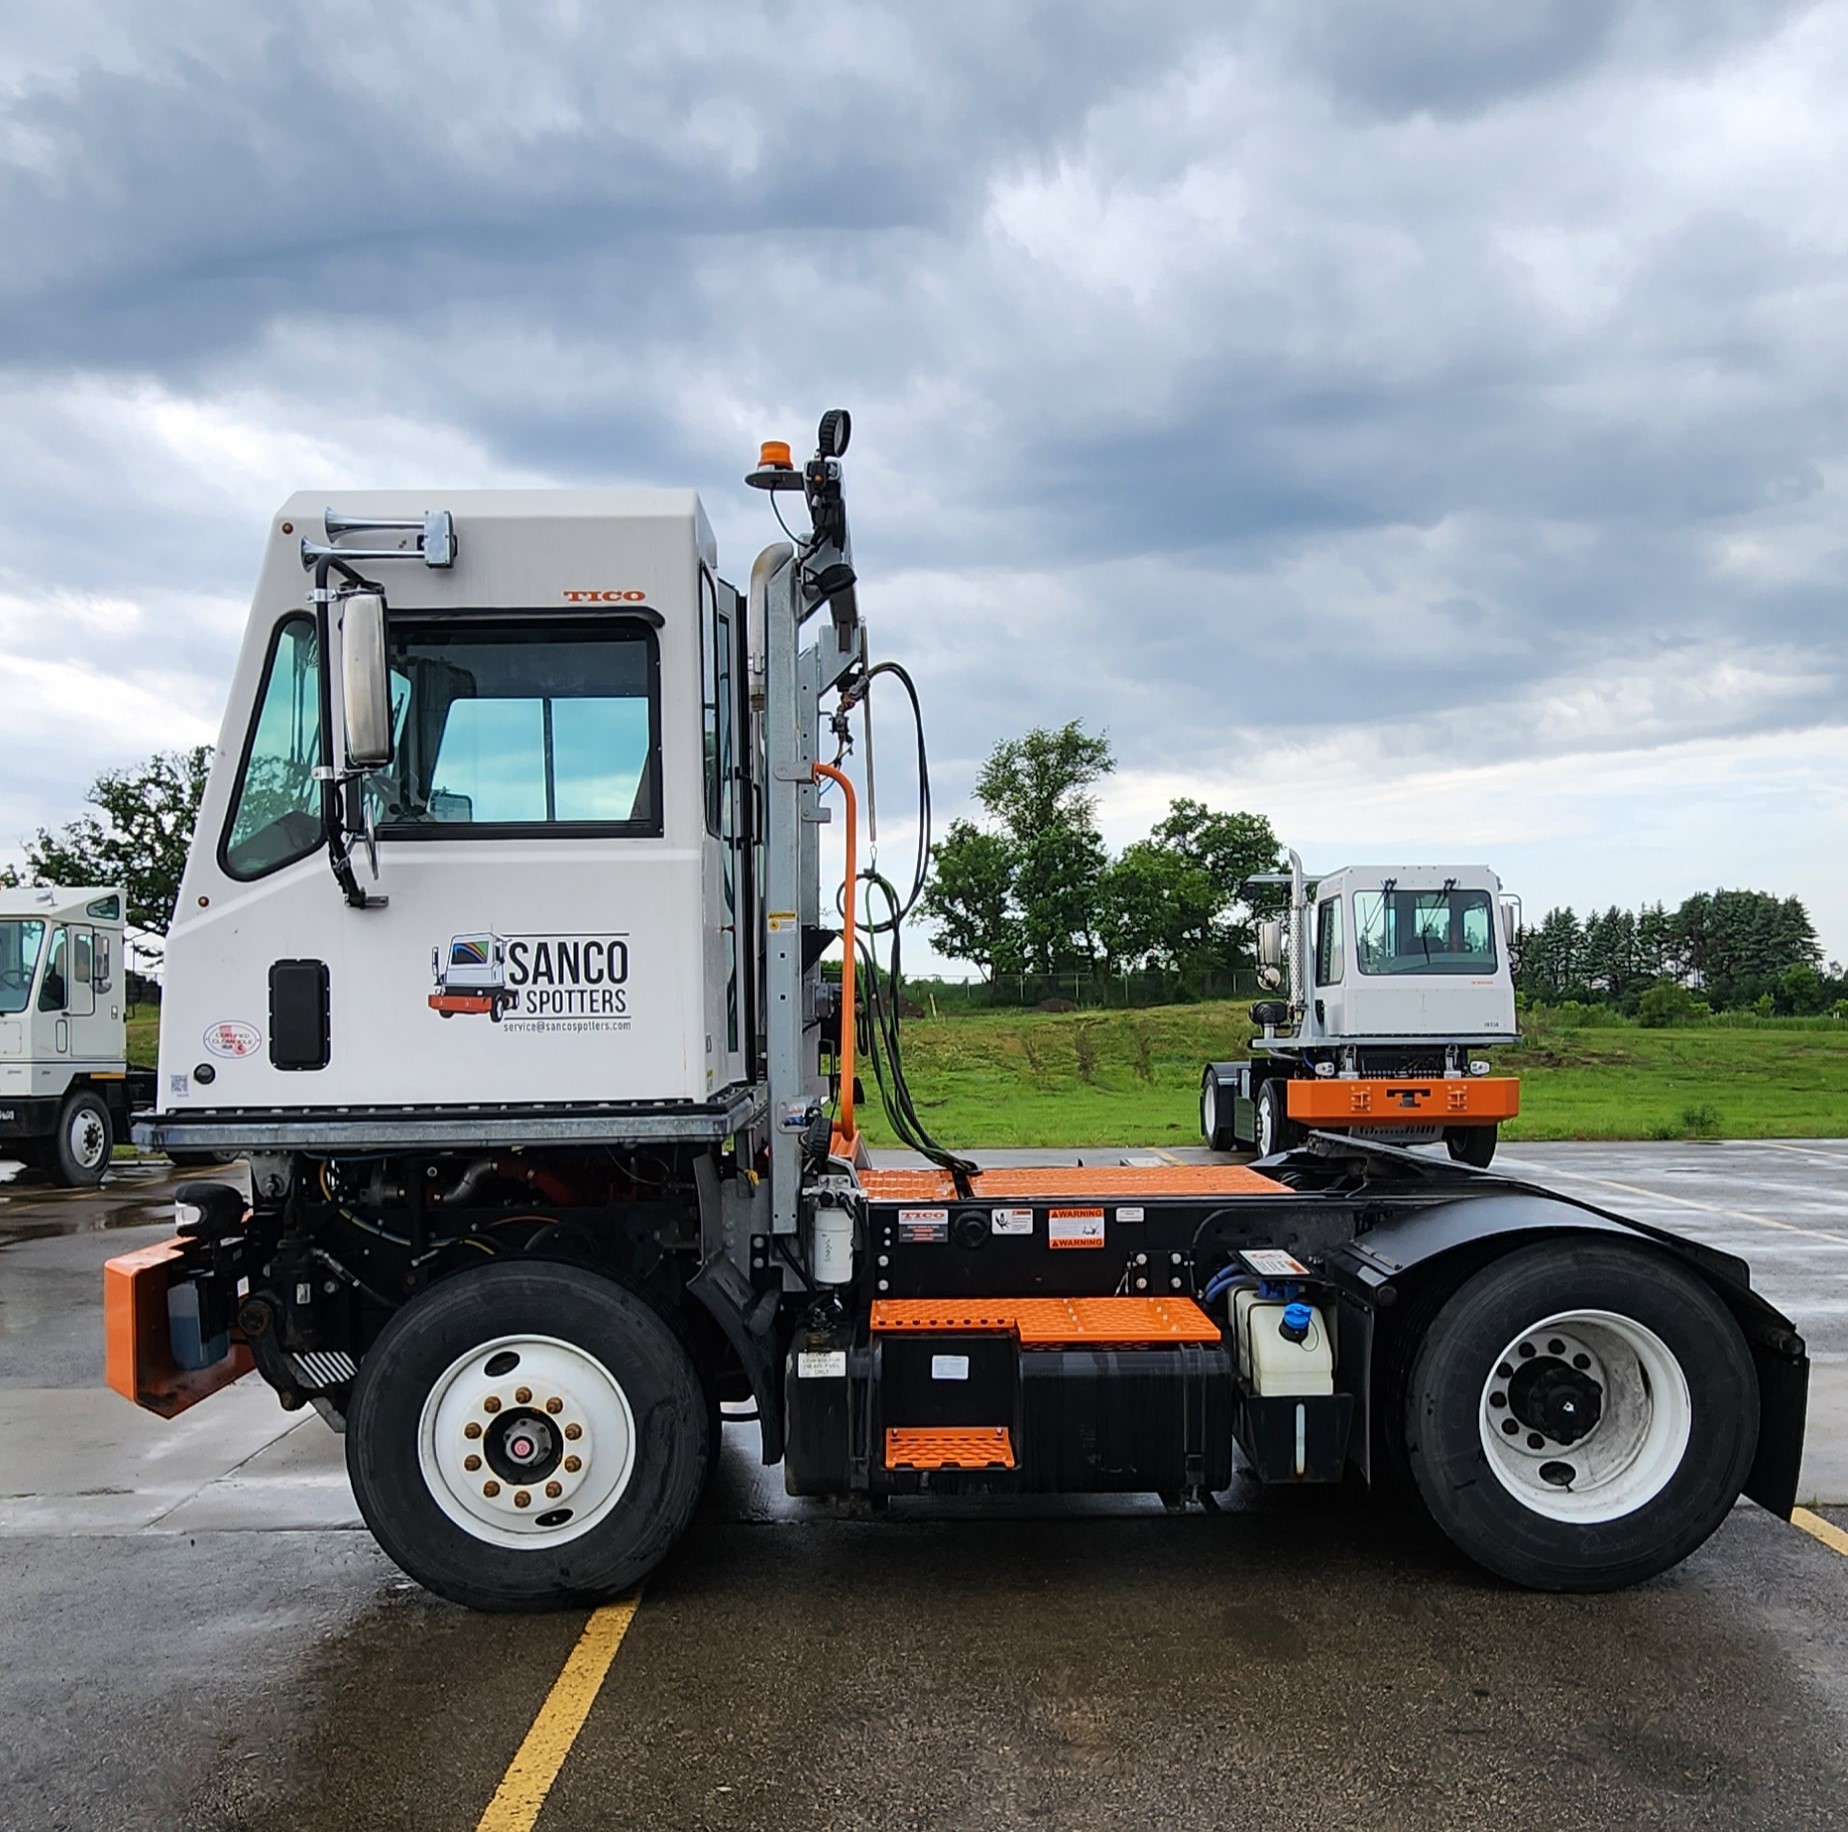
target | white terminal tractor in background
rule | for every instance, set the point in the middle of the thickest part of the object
(499, 958)
(1399, 977)
(66, 1089)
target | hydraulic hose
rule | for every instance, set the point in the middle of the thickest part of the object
(849, 1008)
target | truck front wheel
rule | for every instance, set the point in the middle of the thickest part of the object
(81, 1146)
(1473, 1145)
(528, 1436)
(1580, 1416)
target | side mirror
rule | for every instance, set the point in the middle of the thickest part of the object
(1511, 922)
(365, 680)
(1270, 942)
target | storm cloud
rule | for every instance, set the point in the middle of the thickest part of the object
(1427, 424)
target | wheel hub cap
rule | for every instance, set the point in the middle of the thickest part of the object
(1585, 1416)
(526, 1440)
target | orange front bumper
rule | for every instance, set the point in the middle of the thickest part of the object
(138, 1353)
(1469, 1100)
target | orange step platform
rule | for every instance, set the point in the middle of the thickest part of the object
(1065, 1182)
(1051, 1322)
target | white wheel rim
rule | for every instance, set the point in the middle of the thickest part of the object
(1267, 1126)
(526, 1441)
(1549, 1380)
(1209, 1110)
(85, 1138)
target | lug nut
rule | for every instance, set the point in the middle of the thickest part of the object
(471, 1463)
(471, 1430)
(573, 1465)
(574, 1431)
(522, 1395)
(554, 1490)
(490, 1404)
(522, 1498)
(555, 1405)
(490, 1489)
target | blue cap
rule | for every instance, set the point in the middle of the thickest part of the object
(1296, 1321)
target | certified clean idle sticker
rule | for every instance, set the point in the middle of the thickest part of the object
(922, 1227)
(1074, 1227)
(233, 1038)
(1011, 1221)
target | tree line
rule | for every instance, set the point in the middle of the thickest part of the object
(1724, 950)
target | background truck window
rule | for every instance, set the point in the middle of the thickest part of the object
(276, 808)
(1328, 954)
(20, 941)
(526, 725)
(1439, 931)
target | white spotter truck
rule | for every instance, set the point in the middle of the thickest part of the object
(65, 1084)
(1398, 978)
(521, 1265)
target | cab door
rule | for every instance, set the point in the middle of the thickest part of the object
(724, 873)
(95, 1006)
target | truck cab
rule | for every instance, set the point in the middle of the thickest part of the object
(64, 1082)
(1398, 978)
(553, 843)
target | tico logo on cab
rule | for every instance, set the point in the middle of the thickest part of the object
(606, 597)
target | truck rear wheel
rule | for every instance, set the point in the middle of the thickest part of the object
(1276, 1130)
(1472, 1144)
(1581, 1416)
(527, 1437)
(81, 1146)
(1215, 1114)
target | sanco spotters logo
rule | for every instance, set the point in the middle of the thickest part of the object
(534, 982)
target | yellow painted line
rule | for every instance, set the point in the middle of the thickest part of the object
(1817, 1528)
(536, 1763)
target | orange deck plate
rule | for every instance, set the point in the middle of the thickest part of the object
(949, 1447)
(1051, 1322)
(1061, 1182)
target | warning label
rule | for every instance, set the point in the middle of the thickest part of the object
(1011, 1221)
(1074, 1227)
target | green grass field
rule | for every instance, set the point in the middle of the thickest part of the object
(1133, 1077)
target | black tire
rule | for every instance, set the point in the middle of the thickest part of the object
(1474, 1145)
(1276, 1131)
(1216, 1114)
(197, 1160)
(79, 1151)
(1448, 1395)
(672, 1445)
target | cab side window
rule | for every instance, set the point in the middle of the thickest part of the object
(276, 807)
(53, 990)
(1328, 952)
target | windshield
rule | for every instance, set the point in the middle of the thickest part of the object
(20, 941)
(1399, 931)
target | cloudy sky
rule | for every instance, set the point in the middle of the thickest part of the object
(1426, 423)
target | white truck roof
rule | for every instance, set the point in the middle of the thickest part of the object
(63, 903)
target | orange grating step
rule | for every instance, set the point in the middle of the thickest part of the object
(1051, 1322)
(949, 1447)
(1063, 1181)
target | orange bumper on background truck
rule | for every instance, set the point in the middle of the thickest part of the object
(1440, 1100)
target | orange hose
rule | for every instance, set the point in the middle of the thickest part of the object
(848, 1132)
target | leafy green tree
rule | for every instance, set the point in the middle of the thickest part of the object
(1739, 944)
(1057, 883)
(971, 897)
(1044, 779)
(1668, 1003)
(1157, 909)
(141, 839)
